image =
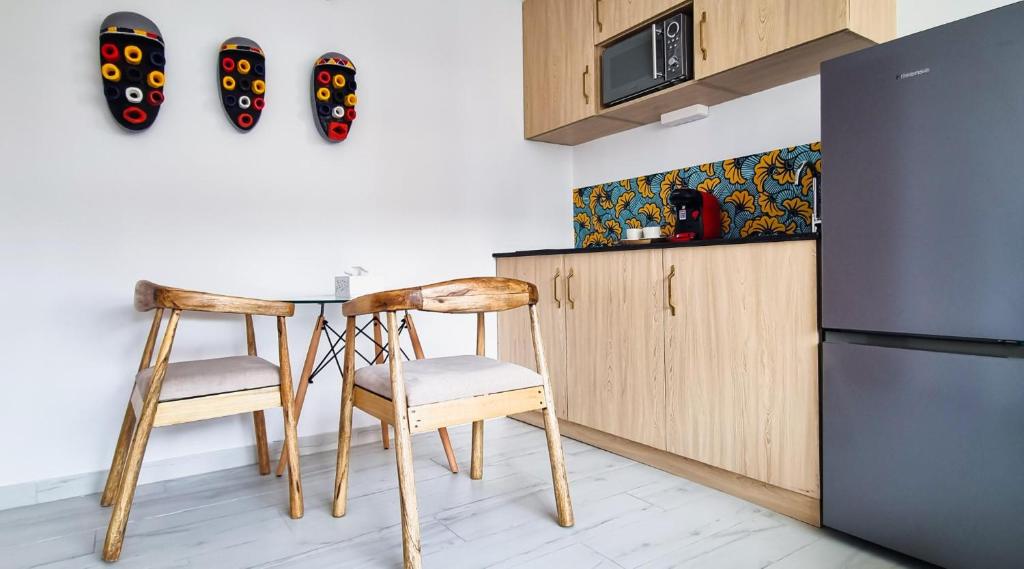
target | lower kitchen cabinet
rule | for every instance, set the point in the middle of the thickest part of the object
(515, 343)
(700, 360)
(615, 347)
(741, 360)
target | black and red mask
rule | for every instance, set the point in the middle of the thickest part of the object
(132, 67)
(334, 95)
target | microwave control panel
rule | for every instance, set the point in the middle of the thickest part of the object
(676, 32)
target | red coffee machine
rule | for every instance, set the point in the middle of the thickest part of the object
(698, 214)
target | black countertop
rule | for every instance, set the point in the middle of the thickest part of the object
(661, 245)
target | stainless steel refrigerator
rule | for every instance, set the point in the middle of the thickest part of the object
(923, 292)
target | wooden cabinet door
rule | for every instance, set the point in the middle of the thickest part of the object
(729, 33)
(515, 344)
(612, 17)
(559, 86)
(742, 360)
(615, 348)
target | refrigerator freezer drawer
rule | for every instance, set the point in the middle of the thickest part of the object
(923, 452)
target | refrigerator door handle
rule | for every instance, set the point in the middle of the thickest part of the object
(815, 219)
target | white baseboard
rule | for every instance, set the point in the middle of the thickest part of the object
(49, 490)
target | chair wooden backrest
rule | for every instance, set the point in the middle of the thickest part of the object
(460, 296)
(150, 295)
(475, 295)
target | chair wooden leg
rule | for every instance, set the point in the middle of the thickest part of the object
(140, 438)
(300, 393)
(446, 442)
(345, 428)
(403, 452)
(407, 491)
(126, 491)
(128, 423)
(259, 423)
(476, 466)
(120, 453)
(378, 358)
(291, 436)
(558, 476)
(555, 455)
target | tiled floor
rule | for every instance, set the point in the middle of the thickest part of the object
(627, 515)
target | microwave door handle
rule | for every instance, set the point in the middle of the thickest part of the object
(654, 51)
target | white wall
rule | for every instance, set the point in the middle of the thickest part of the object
(784, 116)
(434, 178)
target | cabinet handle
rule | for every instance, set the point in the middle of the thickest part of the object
(586, 95)
(597, 15)
(671, 305)
(554, 288)
(568, 289)
(703, 50)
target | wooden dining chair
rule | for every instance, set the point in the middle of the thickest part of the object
(425, 394)
(182, 392)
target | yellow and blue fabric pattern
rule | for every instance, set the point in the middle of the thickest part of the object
(760, 195)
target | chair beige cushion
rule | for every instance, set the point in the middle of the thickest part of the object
(444, 379)
(198, 378)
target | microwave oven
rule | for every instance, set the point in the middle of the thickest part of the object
(652, 58)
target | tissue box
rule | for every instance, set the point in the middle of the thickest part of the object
(356, 282)
(343, 287)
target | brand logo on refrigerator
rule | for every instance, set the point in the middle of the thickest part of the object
(912, 74)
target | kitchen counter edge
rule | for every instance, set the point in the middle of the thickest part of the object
(661, 245)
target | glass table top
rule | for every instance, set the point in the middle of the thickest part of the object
(315, 299)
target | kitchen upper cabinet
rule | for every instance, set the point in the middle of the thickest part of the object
(741, 359)
(559, 75)
(730, 33)
(740, 47)
(515, 344)
(612, 17)
(615, 347)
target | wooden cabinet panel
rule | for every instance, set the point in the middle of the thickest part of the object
(729, 33)
(559, 75)
(742, 361)
(873, 19)
(514, 341)
(615, 347)
(612, 17)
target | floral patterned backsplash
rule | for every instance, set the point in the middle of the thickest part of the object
(760, 195)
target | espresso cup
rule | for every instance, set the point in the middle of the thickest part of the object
(634, 233)
(652, 232)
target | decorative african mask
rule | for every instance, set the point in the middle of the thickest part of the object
(333, 89)
(243, 81)
(132, 65)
